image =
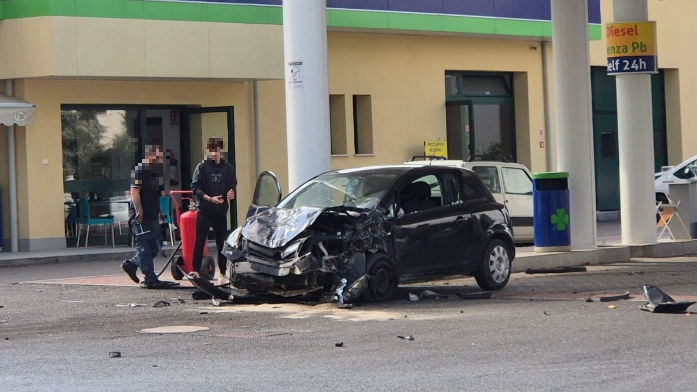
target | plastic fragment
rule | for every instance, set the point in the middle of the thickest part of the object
(612, 306)
(406, 337)
(115, 354)
(161, 304)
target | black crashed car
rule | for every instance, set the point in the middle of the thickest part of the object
(359, 233)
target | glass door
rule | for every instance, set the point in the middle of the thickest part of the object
(460, 129)
(200, 124)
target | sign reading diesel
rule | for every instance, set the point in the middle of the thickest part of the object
(631, 48)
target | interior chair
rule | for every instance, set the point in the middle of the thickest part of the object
(666, 212)
(166, 208)
(85, 219)
(420, 192)
(71, 221)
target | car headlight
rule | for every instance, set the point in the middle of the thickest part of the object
(291, 249)
(231, 244)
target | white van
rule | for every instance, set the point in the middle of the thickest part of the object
(509, 183)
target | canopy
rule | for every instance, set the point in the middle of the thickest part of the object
(14, 111)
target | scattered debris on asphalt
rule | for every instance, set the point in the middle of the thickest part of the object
(546, 313)
(161, 304)
(413, 297)
(615, 297)
(479, 295)
(203, 313)
(589, 299)
(339, 344)
(406, 337)
(558, 270)
(115, 354)
(180, 300)
(612, 306)
(71, 302)
(132, 306)
(428, 294)
(660, 302)
(3, 321)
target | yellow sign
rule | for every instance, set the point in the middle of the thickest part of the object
(631, 47)
(437, 148)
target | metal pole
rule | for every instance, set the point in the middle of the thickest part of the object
(551, 148)
(257, 130)
(307, 89)
(12, 168)
(635, 137)
(574, 131)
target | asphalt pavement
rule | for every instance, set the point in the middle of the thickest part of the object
(540, 333)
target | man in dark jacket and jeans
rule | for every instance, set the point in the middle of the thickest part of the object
(214, 183)
(144, 213)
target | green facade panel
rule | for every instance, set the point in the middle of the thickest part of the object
(239, 13)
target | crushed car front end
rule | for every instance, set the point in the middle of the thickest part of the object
(291, 252)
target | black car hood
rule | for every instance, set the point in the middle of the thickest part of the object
(275, 227)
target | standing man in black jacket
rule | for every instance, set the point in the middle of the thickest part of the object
(214, 184)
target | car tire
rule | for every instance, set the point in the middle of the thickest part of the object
(382, 279)
(208, 268)
(495, 269)
(174, 269)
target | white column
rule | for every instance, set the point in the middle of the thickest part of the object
(307, 89)
(12, 168)
(635, 137)
(573, 115)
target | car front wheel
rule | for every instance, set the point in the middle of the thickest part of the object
(382, 279)
(495, 270)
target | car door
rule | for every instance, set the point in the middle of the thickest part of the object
(426, 239)
(267, 193)
(517, 191)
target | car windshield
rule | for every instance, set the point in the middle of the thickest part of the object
(349, 189)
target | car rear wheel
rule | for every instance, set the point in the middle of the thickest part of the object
(382, 279)
(495, 270)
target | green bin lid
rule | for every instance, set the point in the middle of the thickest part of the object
(550, 175)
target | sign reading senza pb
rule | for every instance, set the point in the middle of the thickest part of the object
(631, 48)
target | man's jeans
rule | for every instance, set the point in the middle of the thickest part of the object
(148, 244)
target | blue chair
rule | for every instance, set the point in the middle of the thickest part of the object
(166, 208)
(85, 219)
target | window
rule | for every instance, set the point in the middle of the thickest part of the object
(337, 124)
(362, 124)
(608, 145)
(421, 194)
(516, 181)
(489, 176)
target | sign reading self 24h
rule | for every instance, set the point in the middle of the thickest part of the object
(631, 48)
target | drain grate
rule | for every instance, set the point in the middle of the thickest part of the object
(250, 334)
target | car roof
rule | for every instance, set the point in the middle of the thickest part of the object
(465, 164)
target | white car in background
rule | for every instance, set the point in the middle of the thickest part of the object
(681, 174)
(510, 184)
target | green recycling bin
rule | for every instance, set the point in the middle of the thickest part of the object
(551, 213)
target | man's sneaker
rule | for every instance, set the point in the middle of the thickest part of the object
(159, 285)
(223, 280)
(130, 270)
(194, 275)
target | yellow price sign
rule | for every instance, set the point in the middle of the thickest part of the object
(437, 148)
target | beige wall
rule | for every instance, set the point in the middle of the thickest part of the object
(104, 47)
(40, 186)
(405, 77)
